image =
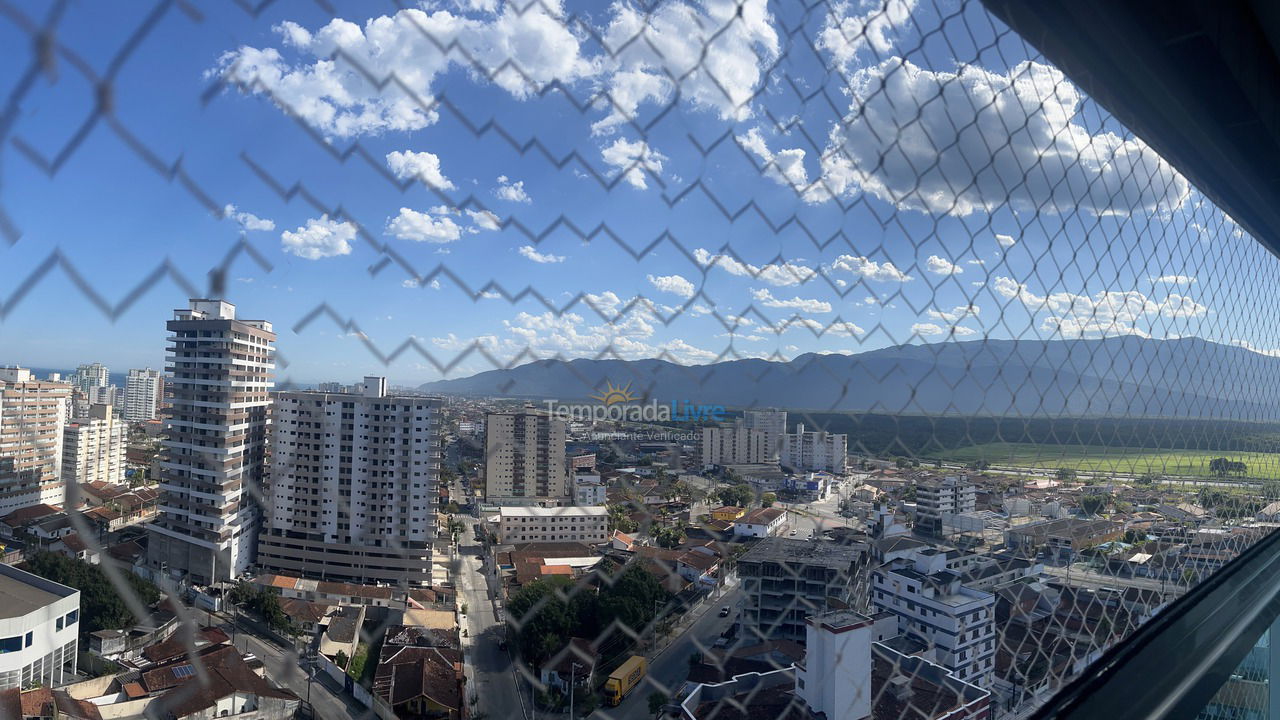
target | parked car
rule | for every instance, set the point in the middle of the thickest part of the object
(724, 611)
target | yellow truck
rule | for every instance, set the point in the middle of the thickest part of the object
(624, 680)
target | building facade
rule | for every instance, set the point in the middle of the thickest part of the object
(815, 450)
(735, 444)
(39, 627)
(221, 374)
(90, 376)
(352, 486)
(955, 621)
(93, 448)
(143, 395)
(520, 524)
(938, 499)
(773, 423)
(32, 416)
(525, 459)
(786, 580)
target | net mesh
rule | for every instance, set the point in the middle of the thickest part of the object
(1035, 368)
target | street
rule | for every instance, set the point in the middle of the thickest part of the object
(669, 668)
(329, 701)
(494, 675)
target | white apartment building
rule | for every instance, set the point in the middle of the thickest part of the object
(39, 626)
(93, 448)
(525, 459)
(955, 621)
(815, 450)
(221, 369)
(835, 677)
(938, 500)
(588, 490)
(352, 486)
(32, 415)
(772, 422)
(520, 524)
(143, 394)
(90, 376)
(735, 444)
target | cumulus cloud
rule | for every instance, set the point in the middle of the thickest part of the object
(850, 28)
(325, 80)
(674, 284)
(1107, 312)
(319, 238)
(423, 166)
(714, 52)
(934, 330)
(785, 167)
(942, 266)
(837, 327)
(633, 160)
(530, 252)
(1005, 240)
(433, 227)
(912, 136)
(247, 221)
(1174, 280)
(869, 269)
(776, 274)
(955, 314)
(484, 219)
(799, 304)
(511, 190)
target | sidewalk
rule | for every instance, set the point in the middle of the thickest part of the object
(690, 617)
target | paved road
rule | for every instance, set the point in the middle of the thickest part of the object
(329, 700)
(1078, 575)
(493, 677)
(669, 669)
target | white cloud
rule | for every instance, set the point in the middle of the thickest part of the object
(674, 284)
(852, 28)
(776, 274)
(329, 92)
(840, 328)
(511, 190)
(715, 50)
(1174, 280)
(415, 283)
(799, 304)
(912, 135)
(870, 269)
(785, 167)
(422, 166)
(528, 251)
(942, 266)
(247, 221)
(634, 160)
(955, 314)
(1108, 312)
(1005, 241)
(319, 238)
(484, 219)
(933, 330)
(976, 261)
(424, 226)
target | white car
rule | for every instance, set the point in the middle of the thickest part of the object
(793, 533)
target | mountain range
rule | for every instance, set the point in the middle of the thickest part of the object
(1121, 376)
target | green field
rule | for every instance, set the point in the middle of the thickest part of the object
(1100, 459)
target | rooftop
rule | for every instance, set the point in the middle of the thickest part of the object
(804, 552)
(22, 593)
(520, 511)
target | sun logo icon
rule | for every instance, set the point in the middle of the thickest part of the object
(614, 394)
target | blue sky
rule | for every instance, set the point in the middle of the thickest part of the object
(830, 179)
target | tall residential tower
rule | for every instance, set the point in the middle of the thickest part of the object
(211, 461)
(143, 393)
(524, 459)
(32, 414)
(352, 486)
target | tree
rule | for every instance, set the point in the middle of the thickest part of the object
(979, 465)
(656, 701)
(620, 519)
(737, 495)
(340, 660)
(102, 606)
(668, 537)
(1223, 466)
(1065, 475)
(1092, 503)
(1149, 478)
(768, 499)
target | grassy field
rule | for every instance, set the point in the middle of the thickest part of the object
(1099, 459)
